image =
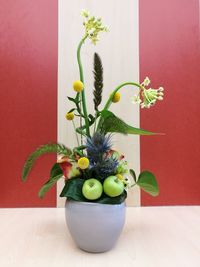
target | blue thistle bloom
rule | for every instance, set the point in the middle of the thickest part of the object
(97, 146)
(104, 168)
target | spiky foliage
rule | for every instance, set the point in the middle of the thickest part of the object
(98, 81)
(97, 146)
(104, 168)
(44, 149)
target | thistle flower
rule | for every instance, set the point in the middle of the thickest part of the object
(93, 26)
(104, 168)
(96, 146)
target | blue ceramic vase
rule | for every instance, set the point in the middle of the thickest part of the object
(95, 227)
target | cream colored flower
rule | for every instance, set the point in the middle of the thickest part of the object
(136, 99)
(93, 26)
(150, 96)
(146, 82)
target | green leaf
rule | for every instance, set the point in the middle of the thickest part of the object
(91, 119)
(71, 110)
(55, 174)
(44, 149)
(132, 173)
(55, 170)
(104, 199)
(73, 189)
(148, 183)
(113, 124)
(75, 100)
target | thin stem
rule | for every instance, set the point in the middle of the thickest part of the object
(109, 102)
(75, 132)
(95, 122)
(82, 80)
(81, 122)
(133, 185)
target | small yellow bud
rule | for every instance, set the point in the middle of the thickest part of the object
(83, 163)
(78, 86)
(69, 116)
(120, 177)
(116, 97)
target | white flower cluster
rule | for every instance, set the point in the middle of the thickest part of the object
(93, 26)
(148, 97)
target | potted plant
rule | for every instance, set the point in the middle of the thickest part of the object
(97, 177)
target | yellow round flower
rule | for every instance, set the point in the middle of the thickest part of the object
(83, 163)
(119, 176)
(78, 86)
(116, 97)
(69, 116)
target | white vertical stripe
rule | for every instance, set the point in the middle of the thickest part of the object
(119, 50)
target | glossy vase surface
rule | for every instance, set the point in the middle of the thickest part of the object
(95, 227)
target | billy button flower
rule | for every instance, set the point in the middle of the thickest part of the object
(83, 163)
(69, 116)
(116, 97)
(78, 86)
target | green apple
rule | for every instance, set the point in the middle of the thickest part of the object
(113, 187)
(92, 189)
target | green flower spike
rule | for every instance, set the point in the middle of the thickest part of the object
(93, 26)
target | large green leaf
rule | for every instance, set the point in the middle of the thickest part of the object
(73, 190)
(148, 183)
(104, 199)
(113, 124)
(44, 149)
(55, 175)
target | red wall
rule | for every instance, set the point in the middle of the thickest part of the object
(169, 54)
(28, 109)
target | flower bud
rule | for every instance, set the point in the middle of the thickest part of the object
(83, 163)
(78, 86)
(116, 97)
(69, 116)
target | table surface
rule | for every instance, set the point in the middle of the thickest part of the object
(152, 237)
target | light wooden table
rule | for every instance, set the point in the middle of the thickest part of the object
(152, 237)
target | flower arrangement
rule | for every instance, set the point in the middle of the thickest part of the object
(93, 170)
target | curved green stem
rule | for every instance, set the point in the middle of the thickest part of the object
(82, 80)
(109, 102)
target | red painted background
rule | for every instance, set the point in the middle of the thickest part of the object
(28, 109)
(169, 54)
